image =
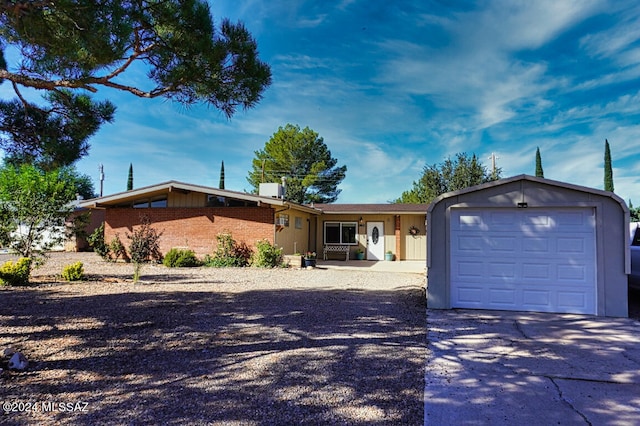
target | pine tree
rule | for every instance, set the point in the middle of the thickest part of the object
(608, 171)
(130, 178)
(221, 186)
(302, 157)
(539, 171)
(461, 172)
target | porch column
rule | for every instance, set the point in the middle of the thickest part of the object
(398, 237)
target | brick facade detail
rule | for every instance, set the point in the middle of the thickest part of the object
(193, 227)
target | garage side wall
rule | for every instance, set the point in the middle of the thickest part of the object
(195, 228)
(611, 243)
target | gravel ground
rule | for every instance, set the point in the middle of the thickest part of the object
(214, 346)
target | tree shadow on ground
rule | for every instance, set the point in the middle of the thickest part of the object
(296, 356)
(505, 368)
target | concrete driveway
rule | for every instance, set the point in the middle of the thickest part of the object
(508, 368)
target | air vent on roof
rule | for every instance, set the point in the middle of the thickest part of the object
(273, 190)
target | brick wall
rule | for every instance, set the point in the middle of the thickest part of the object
(193, 227)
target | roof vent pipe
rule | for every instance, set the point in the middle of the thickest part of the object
(284, 186)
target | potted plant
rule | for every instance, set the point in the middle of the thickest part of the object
(360, 254)
(310, 259)
(388, 255)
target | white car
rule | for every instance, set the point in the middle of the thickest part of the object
(634, 276)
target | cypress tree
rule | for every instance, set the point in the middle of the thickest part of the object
(130, 178)
(608, 171)
(221, 186)
(539, 171)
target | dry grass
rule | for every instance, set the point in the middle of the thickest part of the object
(207, 346)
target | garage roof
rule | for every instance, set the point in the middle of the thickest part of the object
(524, 177)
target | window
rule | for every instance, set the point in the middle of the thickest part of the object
(150, 202)
(282, 219)
(220, 201)
(298, 222)
(215, 201)
(340, 232)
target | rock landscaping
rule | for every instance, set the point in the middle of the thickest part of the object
(205, 345)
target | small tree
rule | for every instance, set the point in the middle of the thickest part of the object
(539, 171)
(608, 171)
(34, 206)
(144, 246)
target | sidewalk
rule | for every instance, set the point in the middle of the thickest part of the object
(403, 266)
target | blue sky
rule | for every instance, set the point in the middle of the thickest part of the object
(393, 86)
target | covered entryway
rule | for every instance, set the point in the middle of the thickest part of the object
(539, 259)
(529, 244)
(375, 240)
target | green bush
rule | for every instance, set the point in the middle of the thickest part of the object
(73, 272)
(109, 252)
(229, 253)
(179, 258)
(15, 273)
(268, 256)
(96, 242)
(116, 250)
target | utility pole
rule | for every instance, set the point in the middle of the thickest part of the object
(101, 170)
(493, 164)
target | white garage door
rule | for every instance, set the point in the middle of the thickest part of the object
(524, 259)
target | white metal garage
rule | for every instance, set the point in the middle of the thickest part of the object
(529, 244)
(524, 259)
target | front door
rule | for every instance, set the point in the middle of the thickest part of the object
(375, 240)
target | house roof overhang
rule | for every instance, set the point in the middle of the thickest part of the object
(336, 209)
(174, 186)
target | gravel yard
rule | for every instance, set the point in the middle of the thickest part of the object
(215, 346)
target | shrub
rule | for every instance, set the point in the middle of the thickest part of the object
(229, 253)
(16, 273)
(96, 242)
(178, 258)
(116, 250)
(144, 246)
(268, 256)
(109, 252)
(73, 272)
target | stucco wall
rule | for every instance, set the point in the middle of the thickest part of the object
(611, 239)
(400, 242)
(293, 239)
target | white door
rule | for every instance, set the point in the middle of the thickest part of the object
(524, 259)
(375, 240)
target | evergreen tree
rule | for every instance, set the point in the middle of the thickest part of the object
(539, 171)
(634, 212)
(448, 176)
(130, 178)
(608, 171)
(221, 186)
(69, 50)
(301, 156)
